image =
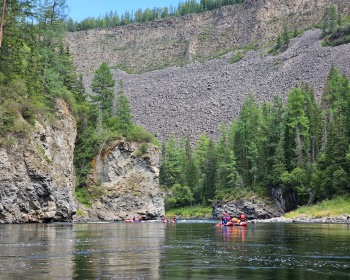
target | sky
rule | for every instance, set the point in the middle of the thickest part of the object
(80, 9)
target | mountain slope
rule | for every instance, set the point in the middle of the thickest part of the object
(200, 96)
(198, 37)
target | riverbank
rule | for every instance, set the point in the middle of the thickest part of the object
(341, 219)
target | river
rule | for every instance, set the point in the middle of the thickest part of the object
(186, 250)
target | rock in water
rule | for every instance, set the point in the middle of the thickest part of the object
(129, 184)
(37, 174)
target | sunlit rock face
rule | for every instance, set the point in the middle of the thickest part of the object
(129, 184)
(37, 174)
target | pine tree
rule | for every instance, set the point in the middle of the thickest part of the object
(279, 42)
(286, 38)
(102, 85)
(332, 19)
(210, 173)
(124, 111)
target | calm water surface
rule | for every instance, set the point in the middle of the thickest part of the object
(186, 250)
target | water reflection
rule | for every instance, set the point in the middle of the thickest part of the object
(35, 251)
(174, 251)
(120, 251)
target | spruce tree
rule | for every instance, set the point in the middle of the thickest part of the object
(124, 111)
(286, 38)
(102, 85)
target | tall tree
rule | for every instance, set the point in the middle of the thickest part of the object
(102, 85)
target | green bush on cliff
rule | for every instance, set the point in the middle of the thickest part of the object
(88, 196)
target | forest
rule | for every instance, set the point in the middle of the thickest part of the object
(299, 146)
(113, 19)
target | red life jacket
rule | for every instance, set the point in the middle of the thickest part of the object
(242, 218)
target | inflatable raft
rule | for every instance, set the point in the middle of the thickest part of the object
(231, 224)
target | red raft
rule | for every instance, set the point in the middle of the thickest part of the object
(231, 224)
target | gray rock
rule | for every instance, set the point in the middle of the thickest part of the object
(37, 175)
(252, 208)
(130, 184)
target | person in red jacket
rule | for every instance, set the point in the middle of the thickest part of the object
(242, 217)
(223, 219)
(227, 217)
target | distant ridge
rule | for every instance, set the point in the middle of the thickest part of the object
(197, 37)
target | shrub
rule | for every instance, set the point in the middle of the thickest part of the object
(237, 57)
(179, 196)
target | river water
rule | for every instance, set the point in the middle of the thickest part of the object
(186, 250)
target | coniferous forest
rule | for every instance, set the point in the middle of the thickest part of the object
(299, 145)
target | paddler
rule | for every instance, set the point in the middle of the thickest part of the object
(223, 218)
(242, 217)
(227, 217)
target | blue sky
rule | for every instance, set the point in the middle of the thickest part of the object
(80, 9)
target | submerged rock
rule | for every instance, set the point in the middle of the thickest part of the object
(252, 208)
(129, 183)
(37, 174)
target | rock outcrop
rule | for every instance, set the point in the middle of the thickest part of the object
(196, 37)
(129, 182)
(37, 177)
(253, 208)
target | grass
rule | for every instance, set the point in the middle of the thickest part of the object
(237, 57)
(190, 211)
(327, 208)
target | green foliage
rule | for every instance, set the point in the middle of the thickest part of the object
(190, 211)
(88, 196)
(142, 149)
(179, 196)
(301, 147)
(326, 208)
(81, 213)
(339, 36)
(237, 57)
(102, 84)
(286, 38)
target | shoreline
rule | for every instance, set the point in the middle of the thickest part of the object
(323, 220)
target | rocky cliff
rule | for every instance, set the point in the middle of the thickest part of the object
(253, 208)
(37, 177)
(128, 182)
(197, 37)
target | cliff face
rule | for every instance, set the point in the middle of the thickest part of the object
(37, 177)
(129, 184)
(178, 41)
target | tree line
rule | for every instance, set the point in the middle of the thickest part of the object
(112, 19)
(300, 146)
